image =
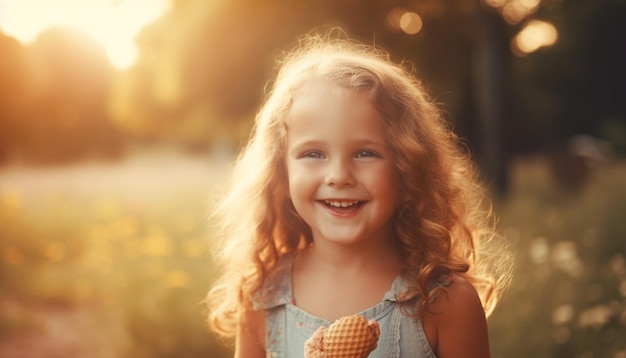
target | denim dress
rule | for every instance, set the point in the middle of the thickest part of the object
(288, 326)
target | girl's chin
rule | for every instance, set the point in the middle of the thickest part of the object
(341, 239)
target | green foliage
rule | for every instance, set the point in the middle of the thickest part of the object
(568, 296)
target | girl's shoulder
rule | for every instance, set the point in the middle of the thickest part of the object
(460, 296)
(441, 281)
(456, 318)
(459, 291)
(404, 290)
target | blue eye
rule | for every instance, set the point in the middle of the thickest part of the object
(367, 154)
(313, 154)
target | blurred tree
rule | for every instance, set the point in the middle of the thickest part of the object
(69, 90)
(578, 84)
(53, 97)
(489, 95)
(13, 80)
(204, 67)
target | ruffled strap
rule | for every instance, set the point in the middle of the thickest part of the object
(442, 281)
(276, 289)
(401, 291)
(401, 288)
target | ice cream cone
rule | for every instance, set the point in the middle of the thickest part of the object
(348, 337)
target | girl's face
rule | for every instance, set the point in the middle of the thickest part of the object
(342, 180)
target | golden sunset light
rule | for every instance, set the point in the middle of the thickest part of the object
(477, 148)
(112, 23)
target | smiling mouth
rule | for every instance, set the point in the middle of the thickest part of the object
(350, 204)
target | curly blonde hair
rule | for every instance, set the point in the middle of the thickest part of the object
(443, 224)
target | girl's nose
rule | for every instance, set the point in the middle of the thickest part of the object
(339, 174)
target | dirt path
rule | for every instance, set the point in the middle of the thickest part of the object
(62, 331)
(139, 176)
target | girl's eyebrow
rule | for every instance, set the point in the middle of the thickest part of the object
(317, 143)
(307, 143)
(368, 141)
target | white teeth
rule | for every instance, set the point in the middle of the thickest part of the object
(341, 204)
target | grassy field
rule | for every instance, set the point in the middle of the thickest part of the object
(111, 260)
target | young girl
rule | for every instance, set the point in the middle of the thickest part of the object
(353, 197)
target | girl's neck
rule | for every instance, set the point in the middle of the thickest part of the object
(331, 282)
(349, 258)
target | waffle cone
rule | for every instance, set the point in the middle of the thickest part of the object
(350, 337)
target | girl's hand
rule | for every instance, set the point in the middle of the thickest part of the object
(349, 336)
(313, 347)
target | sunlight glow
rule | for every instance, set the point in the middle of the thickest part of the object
(113, 23)
(533, 36)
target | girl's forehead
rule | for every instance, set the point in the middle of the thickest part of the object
(315, 85)
(322, 107)
(325, 96)
(321, 90)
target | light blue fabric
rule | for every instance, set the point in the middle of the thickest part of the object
(288, 326)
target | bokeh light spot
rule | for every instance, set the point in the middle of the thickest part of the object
(177, 279)
(563, 314)
(123, 228)
(10, 200)
(533, 36)
(54, 252)
(156, 245)
(410, 23)
(194, 248)
(539, 250)
(565, 258)
(595, 317)
(393, 18)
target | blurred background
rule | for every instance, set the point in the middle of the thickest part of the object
(117, 117)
